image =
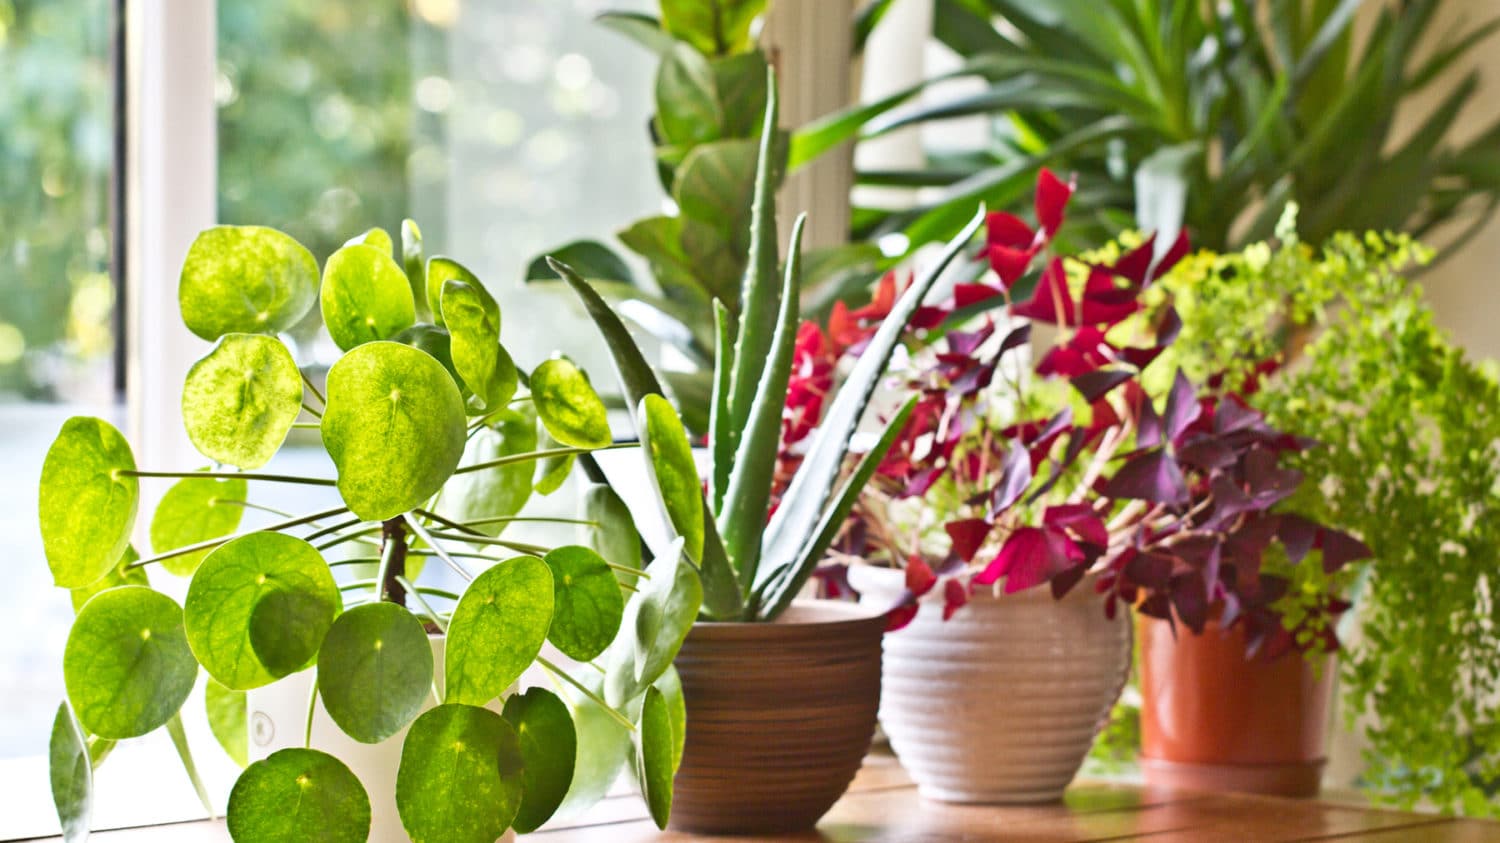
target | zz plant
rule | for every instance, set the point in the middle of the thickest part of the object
(437, 439)
(752, 558)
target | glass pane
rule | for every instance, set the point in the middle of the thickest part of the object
(57, 306)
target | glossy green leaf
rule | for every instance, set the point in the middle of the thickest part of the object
(675, 472)
(549, 745)
(568, 405)
(640, 28)
(435, 341)
(297, 795)
(374, 670)
(655, 756)
(687, 104)
(473, 319)
(412, 262)
(127, 665)
(740, 82)
(120, 574)
(670, 686)
(587, 603)
(85, 508)
(72, 774)
(195, 509)
(497, 629)
(441, 270)
(365, 296)
(460, 779)
(615, 536)
(228, 720)
(394, 427)
(377, 238)
(714, 187)
(635, 374)
(603, 749)
(552, 472)
(657, 621)
(245, 279)
(239, 401)
(498, 492)
(589, 258)
(242, 592)
(715, 27)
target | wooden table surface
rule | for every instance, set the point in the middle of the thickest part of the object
(883, 805)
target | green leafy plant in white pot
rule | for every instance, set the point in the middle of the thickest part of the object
(437, 439)
(781, 694)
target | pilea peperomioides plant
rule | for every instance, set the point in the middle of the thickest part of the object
(438, 440)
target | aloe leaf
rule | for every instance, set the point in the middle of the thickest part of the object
(743, 515)
(783, 584)
(803, 501)
(636, 376)
(723, 446)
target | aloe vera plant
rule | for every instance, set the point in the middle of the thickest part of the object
(753, 561)
(438, 440)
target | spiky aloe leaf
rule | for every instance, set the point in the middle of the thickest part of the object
(802, 505)
(637, 377)
(743, 517)
(718, 419)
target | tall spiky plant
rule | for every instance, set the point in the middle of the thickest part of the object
(752, 561)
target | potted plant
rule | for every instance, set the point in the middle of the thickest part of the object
(1092, 472)
(1408, 427)
(433, 433)
(781, 694)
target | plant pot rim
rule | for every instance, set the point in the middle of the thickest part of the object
(824, 614)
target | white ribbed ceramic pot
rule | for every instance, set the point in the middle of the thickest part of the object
(1001, 703)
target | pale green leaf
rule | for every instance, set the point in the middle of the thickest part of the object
(615, 536)
(195, 509)
(298, 795)
(72, 775)
(127, 665)
(461, 778)
(497, 629)
(86, 508)
(657, 621)
(497, 492)
(441, 270)
(120, 574)
(239, 401)
(365, 296)
(568, 405)
(676, 474)
(245, 279)
(473, 320)
(655, 756)
(228, 720)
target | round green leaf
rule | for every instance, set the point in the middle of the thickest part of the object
(127, 665)
(497, 629)
(615, 538)
(497, 492)
(365, 296)
(674, 470)
(227, 719)
(587, 603)
(374, 670)
(86, 507)
(434, 341)
(548, 747)
(376, 237)
(245, 279)
(441, 270)
(72, 774)
(195, 509)
(258, 608)
(655, 755)
(568, 405)
(297, 795)
(394, 427)
(460, 777)
(239, 402)
(120, 574)
(473, 318)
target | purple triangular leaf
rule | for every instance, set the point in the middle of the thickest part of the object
(1182, 407)
(1097, 384)
(1015, 476)
(1153, 476)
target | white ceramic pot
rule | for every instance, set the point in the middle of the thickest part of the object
(1001, 703)
(278, 720)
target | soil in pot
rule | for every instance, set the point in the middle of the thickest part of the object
(780, 716)
(1213, 720)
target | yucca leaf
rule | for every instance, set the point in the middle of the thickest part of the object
(719, 440)
(743, 516)
(636, 375)
(802, 504)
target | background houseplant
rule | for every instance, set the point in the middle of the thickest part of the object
(752, 567)
(1409, 427)
(419, 419)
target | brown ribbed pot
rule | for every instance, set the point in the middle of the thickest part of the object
(1213, 720)
(779, 717)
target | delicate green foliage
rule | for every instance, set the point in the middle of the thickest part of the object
(297, 795)
(587, 603)
(120, 574)
(441, 270)
(72, 774)
(497, 629)
(239, 401)
(86, 507)
(127, 665)
(716, 27)
(411, 261)
(473, 318)
(553, 471)
(195, 509)
(615, 537)
(394, 427)
(568, 405)
(655, 755)
(227, 719)
(1407, 428)
(245, 279)
(499, 492)
(549, 745)
(657, 620)
(374, 670)
(258, 607)
(365, 296)
(674, 471)
(460, 779)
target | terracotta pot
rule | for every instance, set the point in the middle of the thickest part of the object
(779, 717)
(1213, 720)
(1001, 703)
